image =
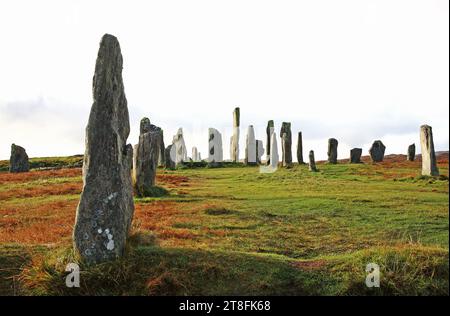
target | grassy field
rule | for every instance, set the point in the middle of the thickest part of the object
(235, 231)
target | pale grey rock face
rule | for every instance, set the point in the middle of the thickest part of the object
(250, 150)
(18, 161)
(286, 144)
(429, 165)
(332, 150)
(259, 150)
(106, 207)
(355, 155)
(215, 152)
(274, 157)
(377, 151)
(300, 149)
(195, 156)
(145, 159)
(169, 152)
(145, 127)
(270, 129)
(234, 142)
(178, 151)
(312, 162)
(411, 154)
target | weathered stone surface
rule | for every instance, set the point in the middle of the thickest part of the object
(215, 151)
(332, 150)
(259, 150)
(300, 149)
(286, 144)
(178, 150)
(18, 162)
(376, 151)
(145, 159)
(429, 166)
(169, 152)
(145, 127)
(355, 155)
(106, 205)
(270, 129)
(250, 149)
(312, 161)
(274, 157)
(411, 154)
(195, 156)
(234, 142)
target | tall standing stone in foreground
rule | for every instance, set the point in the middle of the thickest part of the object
(145, 158)
(250, 149)
(259, 150)
(332, 150)
(270, 129)
(286, 144)
(274, 157)
(106, 206)
(234, 142)
(312, 161)
(355, 155)
(429, 166)
(300, 149)
(411, 154)
(377, 151)
(215, 151)
(18, 162)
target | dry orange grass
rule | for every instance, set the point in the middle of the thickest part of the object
(6, 177)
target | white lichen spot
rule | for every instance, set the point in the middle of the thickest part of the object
(110, 236)
(99, 230)
(107, 231)
(110, 197)
(110, 245)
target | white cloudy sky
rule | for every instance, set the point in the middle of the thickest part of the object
(353, 70)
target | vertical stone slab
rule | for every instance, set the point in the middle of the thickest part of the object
(145, 127)
(250, 150)
(429, 165)
(169, 152)
(355, 155)
(215, 151)
(178, 150)
(270, 129)
(300, 149)
(274, 157)
(286, 144)
(195, 154)
(312, 162)
(18, 161)
(234, 141)
(376, 151)
(332, 150)
(106, 207)
(411, 154)
(259, 150)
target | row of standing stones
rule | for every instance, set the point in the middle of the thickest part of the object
(111, 166)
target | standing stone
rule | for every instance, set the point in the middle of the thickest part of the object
(106, 205)
(250, 149)
(270, 129)
(178, 150)
(411, 155)
(145, 158)
(195, 154)
(146, 127)
(312, 162)
(286, 144)
(274, 157)
(332, 150)
(377, 151)
(215, 152)
(168, 154)
(18, 162)
(199, 156)
(355, 155)
(300, 149)
(259, 150)
(234, 142)
(429, 166)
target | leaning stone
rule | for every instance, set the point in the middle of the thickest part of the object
(106, 207)
(215, 146)
(300, 149)
(270, 129)
(250, 150)
(429, 165)
(312, 162)
(355, 155)
(18, 161)
(286, 144)
(234, 142)
(377, 151)
(411, 155)
(332, 150)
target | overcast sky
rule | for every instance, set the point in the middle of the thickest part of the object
(353, 70)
